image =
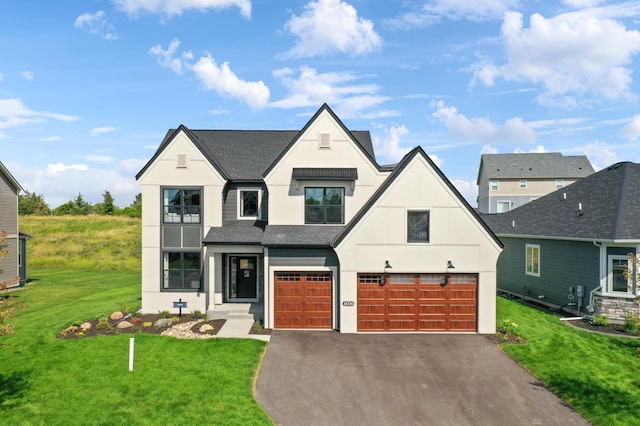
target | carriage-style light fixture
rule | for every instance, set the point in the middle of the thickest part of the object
(450, 265)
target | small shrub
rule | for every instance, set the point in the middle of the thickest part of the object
(125, 309)
(509, 327)
(600, 320)
(196, 314)
(175, 320)
(163, 314)
(147, 324)
(631, 324)
(103, 325)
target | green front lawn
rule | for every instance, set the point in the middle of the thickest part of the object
(44, 380)
(597, 375)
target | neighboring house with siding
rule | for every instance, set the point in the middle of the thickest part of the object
(304, 229)
(508, 181)
(569, 249)
(13, 264)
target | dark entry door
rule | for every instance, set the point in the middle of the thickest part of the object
(246, 277)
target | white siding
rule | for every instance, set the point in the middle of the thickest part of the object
(455, 235)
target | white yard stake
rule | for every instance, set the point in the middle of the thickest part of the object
(131, 354)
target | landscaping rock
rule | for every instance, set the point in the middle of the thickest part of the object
(85, 326)
(71, 329)
(116, 315)
(205, 327)
(124, 324)
(163, 323)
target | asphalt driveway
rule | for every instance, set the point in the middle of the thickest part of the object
(327, 378)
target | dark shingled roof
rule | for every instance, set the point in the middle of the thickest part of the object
(236, 232)
(610, 202)
(247, 154)
(534, 165)
(300, 235)
(325, 173)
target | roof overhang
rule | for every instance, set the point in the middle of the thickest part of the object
(325, 173)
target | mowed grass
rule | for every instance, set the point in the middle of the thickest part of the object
(83, 242)
(597, 375)
(86, 267)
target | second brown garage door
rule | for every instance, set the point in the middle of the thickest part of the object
(417, 302)
(303, 300)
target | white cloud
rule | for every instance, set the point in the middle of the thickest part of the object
(328, 26)
(488, 149)
(600, 155)
(632, 130)
(27, 75)
(572, 56)
(580, 4)
(96, 24)
(14, 113)
(50, 139)
(538, 150)
(338, 89)
(482, 129)
(387, 148)
(225, 82)
(468, 189)
(435, 11)
(176, 7)
(101, 130)
(60, 182)
(166, 58)
(95, 158)
(219, 111)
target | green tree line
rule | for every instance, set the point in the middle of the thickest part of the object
(31, 203)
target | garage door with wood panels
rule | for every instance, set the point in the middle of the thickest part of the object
(303, 300)
(417, 302)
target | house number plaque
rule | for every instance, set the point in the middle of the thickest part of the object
(348, 303)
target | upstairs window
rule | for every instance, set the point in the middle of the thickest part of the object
(418, 226)
(324, 205)
(181, 205)
(523, 184)
(249, 203)
(493, 185)
(559, 183)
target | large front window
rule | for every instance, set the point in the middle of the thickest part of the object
(533, 260)
(324, 205)
(181, 205)
(181, 270)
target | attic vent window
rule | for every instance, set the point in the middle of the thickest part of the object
(182, 161)
(324, 140)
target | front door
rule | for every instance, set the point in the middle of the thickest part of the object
(243, 280)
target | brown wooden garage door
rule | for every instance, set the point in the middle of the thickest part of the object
(417, 302)
(302, 300)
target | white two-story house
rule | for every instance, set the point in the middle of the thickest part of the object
(310, 232)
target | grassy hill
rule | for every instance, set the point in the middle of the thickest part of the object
(83, 242)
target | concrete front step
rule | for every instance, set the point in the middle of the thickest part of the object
(231, 311)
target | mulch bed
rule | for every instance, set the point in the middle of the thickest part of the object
(138, 326)
(256, 328)
(499, 338)
(615, 329)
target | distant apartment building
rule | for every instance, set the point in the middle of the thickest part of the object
(507, 181)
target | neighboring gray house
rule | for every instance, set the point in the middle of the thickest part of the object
(304, 229)
(13, 261)
(507, 181)
(569, 248)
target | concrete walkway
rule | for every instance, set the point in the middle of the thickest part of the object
(239, 329)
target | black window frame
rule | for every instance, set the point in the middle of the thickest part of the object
(412, 234)
(182, 271)
(323, 208)
(242, 213)
(181, 208)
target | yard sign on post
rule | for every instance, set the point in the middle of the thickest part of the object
(180, 304)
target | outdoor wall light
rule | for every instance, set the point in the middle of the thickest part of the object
(450, 265)
(387, 265)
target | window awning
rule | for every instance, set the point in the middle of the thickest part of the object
(331, 173)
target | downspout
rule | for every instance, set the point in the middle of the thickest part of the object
(592, 292)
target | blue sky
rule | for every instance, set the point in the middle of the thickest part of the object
(88, 88)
